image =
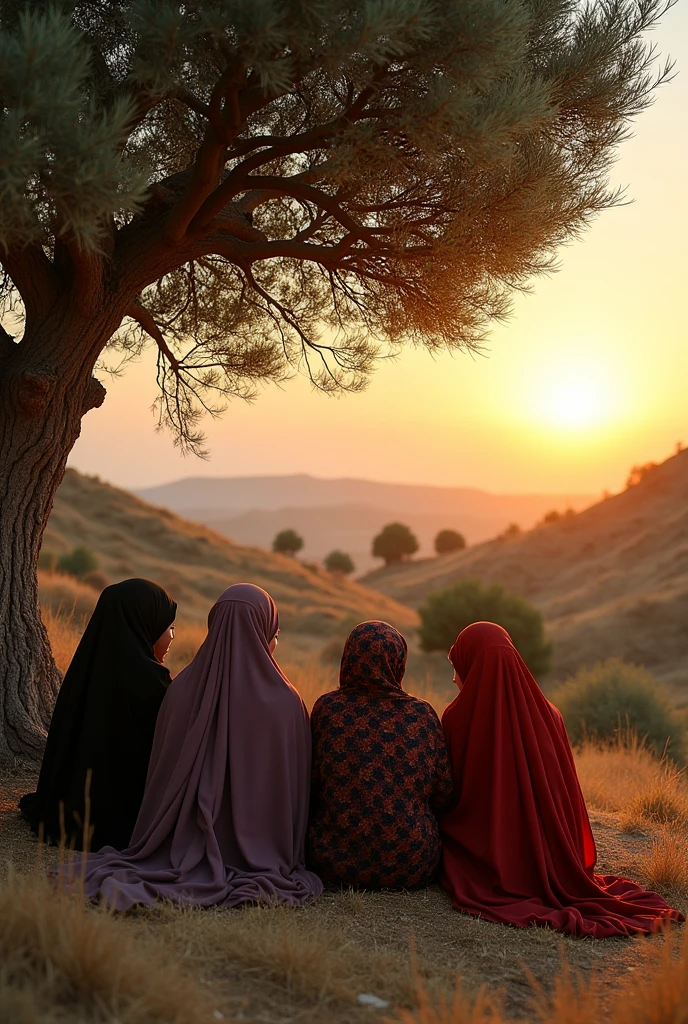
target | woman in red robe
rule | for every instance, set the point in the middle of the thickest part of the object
(517, 845)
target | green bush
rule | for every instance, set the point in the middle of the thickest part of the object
(446, 613)
(287, 542)
(614, 696)
(79, 563)
(339, 563)
(394, 542)
(448, 541)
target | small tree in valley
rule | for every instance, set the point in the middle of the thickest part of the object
(446, 613)
(253, 188)
(339, 563)
(394, 543)
(449, 541)
(287, 542)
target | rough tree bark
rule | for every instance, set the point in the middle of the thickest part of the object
(44, 392)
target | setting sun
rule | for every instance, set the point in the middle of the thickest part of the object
(575, 397)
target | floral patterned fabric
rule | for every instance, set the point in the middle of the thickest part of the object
(381, 771)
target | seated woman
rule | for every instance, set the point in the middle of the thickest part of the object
(224, 815)
(101, 733)
(518, 847)
(380, 771)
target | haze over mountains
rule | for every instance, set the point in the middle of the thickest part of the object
(131, 538)
(612, 581)
(347, 513)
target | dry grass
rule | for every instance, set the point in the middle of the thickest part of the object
(60, 962)
(188, 638)
(658, 995)
(64, 636)
(65, 596)
(665, 867)
(618, 775)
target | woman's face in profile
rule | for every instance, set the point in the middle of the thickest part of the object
(162, 644)
(273, 642)
(457, 680)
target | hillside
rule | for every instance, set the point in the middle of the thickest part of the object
(610, 581)
(347, 513)
(132, 538)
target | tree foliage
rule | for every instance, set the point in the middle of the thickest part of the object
(258, 188)
(394, 542)
(447, 612)
(339, 563)
(287, 542)
(448, 541)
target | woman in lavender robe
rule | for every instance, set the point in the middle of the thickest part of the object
(225, 809)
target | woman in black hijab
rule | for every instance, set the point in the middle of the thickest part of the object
(104, 719)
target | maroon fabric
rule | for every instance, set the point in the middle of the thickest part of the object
(517, 846)
(225, 810)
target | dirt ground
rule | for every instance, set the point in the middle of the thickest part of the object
(277, 966)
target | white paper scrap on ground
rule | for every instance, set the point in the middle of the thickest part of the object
(365, 999)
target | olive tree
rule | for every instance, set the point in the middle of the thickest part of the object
(257, 188)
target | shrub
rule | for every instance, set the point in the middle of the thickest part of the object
(287, 542)
(339, 563)
(638, 473)
(446, 613)
(394, 542)
(448, 541)
(613, 696)
(79, 563)
(512, 531)
(555, 516)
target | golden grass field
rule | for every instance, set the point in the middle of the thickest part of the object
(61, 961)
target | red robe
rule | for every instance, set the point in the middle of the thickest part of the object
(517, 845)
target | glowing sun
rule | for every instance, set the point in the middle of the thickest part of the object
(575, 399)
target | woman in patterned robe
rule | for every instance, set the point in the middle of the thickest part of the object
(381, 771)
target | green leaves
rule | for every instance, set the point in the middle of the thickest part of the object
(304, 185)
(61, 171)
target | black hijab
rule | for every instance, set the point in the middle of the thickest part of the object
(104, 720)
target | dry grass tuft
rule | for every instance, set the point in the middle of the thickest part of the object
(62, 962)
(657, 995)
(66, 596)
(463, 1009)
(663, 802)
(64, 636)
(614, 775)
(665, 867)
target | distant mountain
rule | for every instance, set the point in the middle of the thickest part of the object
(132, 538)
(611, 581)
(347, 513)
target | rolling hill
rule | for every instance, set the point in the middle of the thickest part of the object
(347, 513)
(610, 581)
(195, 564)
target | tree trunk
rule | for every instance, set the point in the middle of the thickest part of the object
(42, 400)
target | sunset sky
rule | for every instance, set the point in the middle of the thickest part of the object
(588, 377)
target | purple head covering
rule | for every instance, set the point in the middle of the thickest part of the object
(225, 810)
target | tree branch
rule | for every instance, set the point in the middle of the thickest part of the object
(33, 276)
(145, 320)
(239, 177)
